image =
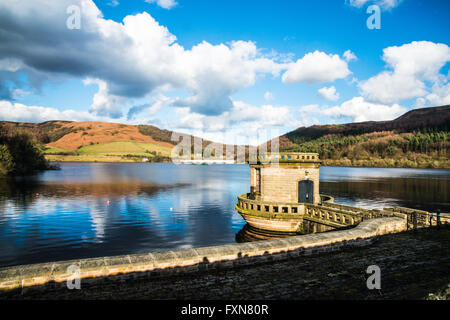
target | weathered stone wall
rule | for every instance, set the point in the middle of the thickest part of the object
(280, 183)
(192, 259)
(314, 227)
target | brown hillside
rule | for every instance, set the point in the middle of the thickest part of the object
(69, 135)
(85, 133)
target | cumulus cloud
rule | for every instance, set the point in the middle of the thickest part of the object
(328, 93)
(439, 96)
(412, 64)
(138, 58)
(22, 113)
(423, 59)
(104, 104)
(316, 67)
(133, 59)
(166, 4)
(360, 110)
(389, 87)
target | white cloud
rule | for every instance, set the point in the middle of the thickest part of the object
(349, 56)
(412, 64)
(439, 96)
(358, 3)
(266, 115)
(360, 110)
(21, 113)
(153, 62)
(166, 4)
(389, 87)
(328, 93)
(385, 4)
(422, 59)
(316, 67)
(104, 104)
(388, 4)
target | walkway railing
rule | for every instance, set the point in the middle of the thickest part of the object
(335, 215)
(269, 209)
(420, 218)
(326, 213)
(330, 216)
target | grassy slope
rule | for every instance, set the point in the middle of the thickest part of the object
(89, 158)
(122, 148)
(59, 151)
(109, 152)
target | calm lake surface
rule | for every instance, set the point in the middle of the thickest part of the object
(96, 209)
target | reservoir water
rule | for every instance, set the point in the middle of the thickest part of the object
(98, 209)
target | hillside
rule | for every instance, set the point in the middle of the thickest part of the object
(92, 141)
(98, 141)
(419, 138)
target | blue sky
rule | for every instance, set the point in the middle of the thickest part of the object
(224, 70)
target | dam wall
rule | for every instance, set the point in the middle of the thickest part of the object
(197, 259)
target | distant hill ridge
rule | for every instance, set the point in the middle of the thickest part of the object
(419, 138)
(437, 118)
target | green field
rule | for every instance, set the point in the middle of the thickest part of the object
(91, 158)
(59, 151)
(124, 148)
(110, 152)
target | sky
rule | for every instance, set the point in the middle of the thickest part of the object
(229, 71)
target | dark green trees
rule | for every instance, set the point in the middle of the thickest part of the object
(20, 154)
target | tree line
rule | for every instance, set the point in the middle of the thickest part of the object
(427, 144)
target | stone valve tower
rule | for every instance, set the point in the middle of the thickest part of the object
(280, 187)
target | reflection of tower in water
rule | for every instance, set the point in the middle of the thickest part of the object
(251, 234)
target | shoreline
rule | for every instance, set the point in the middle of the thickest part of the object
(324, 164)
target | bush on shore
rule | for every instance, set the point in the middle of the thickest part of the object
(21, 154)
